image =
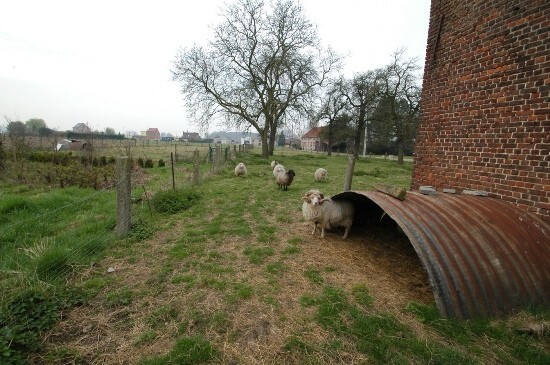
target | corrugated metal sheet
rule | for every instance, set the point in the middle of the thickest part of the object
(483, 256)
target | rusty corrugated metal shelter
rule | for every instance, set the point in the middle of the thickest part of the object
(483, 256)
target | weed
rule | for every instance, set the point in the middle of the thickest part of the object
(276, 268)
(140, 231)
(146, 337)
(187, 350)
(314, 275)
(53, 264)
(258, 255)
(174, 201)
(119, 298)
(21, 323)
(161, 316)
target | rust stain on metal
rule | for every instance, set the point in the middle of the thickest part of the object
(483, 256)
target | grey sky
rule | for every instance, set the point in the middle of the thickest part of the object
(107, 63)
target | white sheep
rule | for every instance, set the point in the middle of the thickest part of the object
(278, 169)
(312, 199)
(284, 179)
(240, 169)
(327, 213)
(321, 174)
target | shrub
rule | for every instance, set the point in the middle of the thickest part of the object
(161, 163)
(173, 201)
(21, 322)
(149, 164)
(53, 264)
(140, 162)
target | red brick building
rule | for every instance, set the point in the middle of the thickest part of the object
(152, 134)
(485, 113)
(311, 141)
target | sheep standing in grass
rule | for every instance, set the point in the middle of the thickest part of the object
(240, 169)
(311, 200)
(284, 179)
(327, 213)
(321, 174)
(278, 169)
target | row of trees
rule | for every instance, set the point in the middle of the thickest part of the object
(265, 69)
(34, 127)
(38, 127)
(381, 105)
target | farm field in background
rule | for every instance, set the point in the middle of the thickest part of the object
(234, 278)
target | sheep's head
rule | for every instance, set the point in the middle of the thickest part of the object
(291, 173)
(313, 197)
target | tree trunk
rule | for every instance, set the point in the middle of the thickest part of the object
(330, 133)
(272, 135)
(349, 173)
(400, 152)
(357, 142)
(265, 146)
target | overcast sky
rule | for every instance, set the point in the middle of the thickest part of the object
(107, 63)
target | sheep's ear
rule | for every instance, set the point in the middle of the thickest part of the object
(322, 196)
(306, 199)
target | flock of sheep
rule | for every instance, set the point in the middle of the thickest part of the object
(323, 213)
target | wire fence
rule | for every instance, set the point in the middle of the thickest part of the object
(44, 240)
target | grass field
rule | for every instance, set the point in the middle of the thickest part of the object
(234, 277)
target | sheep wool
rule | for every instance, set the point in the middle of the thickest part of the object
(327, 213)
(278, 169)
(321, 174)
(284, 179)
(240, 169)
(311, 200)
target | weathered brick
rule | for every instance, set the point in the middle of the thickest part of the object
(484, 119)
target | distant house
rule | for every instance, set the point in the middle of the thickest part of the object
(312, 140)
(82, 128)
(190, 137)
(152, 134)
(294, 142)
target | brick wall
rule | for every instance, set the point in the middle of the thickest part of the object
(485, 112)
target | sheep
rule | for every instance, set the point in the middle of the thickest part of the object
(321, 174)
(240, 169)
(284, 179)
(310, 200)
(274, 163)
(327, 213)
(278, 169)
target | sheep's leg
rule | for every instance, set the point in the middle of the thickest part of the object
(314, 228)
(346, 233)
(322, 231)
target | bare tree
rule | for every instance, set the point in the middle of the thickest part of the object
(362, 93)
(401, 99)
(333, 104)
(263, 64)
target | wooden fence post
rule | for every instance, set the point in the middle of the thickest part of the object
(196, 167)
(217, 159)
(349, 173)
(123, 196)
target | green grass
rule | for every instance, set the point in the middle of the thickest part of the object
(202, 277)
